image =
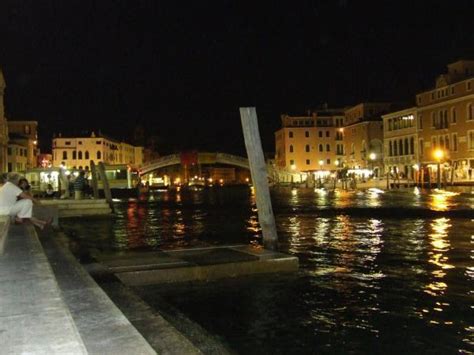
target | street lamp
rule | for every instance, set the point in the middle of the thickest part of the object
(439, 155)
(372, 157)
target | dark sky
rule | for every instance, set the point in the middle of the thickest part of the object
(181, 69)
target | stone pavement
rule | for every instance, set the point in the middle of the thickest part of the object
(33, 316)
(57, 308)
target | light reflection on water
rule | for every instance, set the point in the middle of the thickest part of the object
(367, 283)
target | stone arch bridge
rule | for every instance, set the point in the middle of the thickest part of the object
(198, 158)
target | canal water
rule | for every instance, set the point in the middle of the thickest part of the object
(379, 272)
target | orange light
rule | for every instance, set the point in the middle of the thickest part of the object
(438, 154)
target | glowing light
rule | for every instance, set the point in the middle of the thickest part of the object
(438, 154)
(416, 167)
(293, 167)
(337, 162)
(321, 162)
(372, 156)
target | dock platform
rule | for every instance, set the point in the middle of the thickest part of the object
(196, 264)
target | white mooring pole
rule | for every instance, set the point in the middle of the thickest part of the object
(258, 171)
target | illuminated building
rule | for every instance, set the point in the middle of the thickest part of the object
(22, 145)
(401, 142)
(3, 128)
(310, 143)
(446, 119)
(77, 152)
(363, 135)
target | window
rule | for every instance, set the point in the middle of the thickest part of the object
(327, 133)
(412, 145)
(290, 134)
(291, 149)
(80, 142)
(420, 121)
(86, 155)
(446, 142)
(99, 155)
(400, 147)
(455, 142)
(79, 155)
(390, 148)
(328, 148)
(420, 147)
(307, 148)
(470, 112)
(433, 119)
(65, 155)
(67, 143)
(452, 90)
(9, 151)
(98, 142)
(470, 140)
(445, 119)
(468, 85)
(74, 155)
(395, 150)
(308, 161)
(320, 147)
(306, 134)
(320, 133)
(328, 161)
(406, 146)
(292, 162)
(390, 124)
(433, 142)
(27, 129)
(453, 115)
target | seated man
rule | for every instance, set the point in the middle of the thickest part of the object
(17, 203)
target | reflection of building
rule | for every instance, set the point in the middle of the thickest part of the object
(401, 141)
(22, 145)
(3, 128)
(77, 152)
(363, 135)
(446, 118)
(310, 143)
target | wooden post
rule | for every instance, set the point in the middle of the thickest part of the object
(258, 171)
(105, 185)
(95, 188)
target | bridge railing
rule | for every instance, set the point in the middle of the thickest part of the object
(232, 159)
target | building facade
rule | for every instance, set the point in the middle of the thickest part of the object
(23, 134)
(310, 143)
(446, 120)
(77, 152)
(3, 128)
(401, 152)
(363, 136)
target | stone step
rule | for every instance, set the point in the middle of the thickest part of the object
(85, 212)
(4, 224)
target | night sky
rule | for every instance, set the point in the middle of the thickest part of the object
(182, 69)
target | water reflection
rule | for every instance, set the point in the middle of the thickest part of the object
(389, 282)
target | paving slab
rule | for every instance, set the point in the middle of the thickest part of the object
(33, 316)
